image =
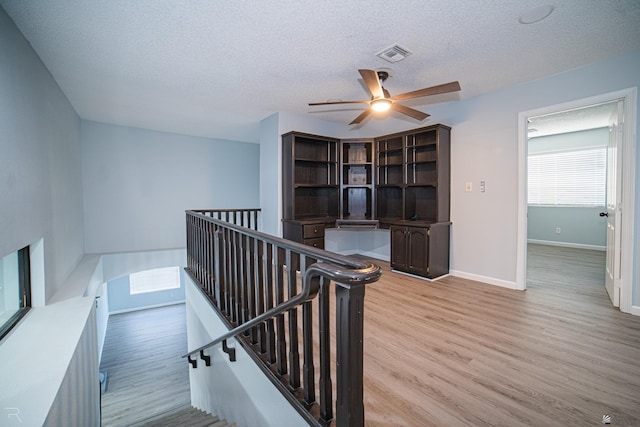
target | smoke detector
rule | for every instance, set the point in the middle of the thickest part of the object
(394, 53)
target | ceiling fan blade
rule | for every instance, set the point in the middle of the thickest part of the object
(338, 102)
(433, 90)
(370, 77)
(418, 115)
(361, 117)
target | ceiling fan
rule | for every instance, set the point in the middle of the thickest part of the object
(381, 100)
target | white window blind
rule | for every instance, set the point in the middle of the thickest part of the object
(159, 279)
(568, 178)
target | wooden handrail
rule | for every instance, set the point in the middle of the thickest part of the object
(366, 275)
(246, 274)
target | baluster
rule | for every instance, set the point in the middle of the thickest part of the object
(250, 275)
(293, 260)
(217, 281)
(231, 265)
(349, 331)
(259, 292)
(235, 293)
(189, 238)
(201, 255)
(213, 260)
(224, 271)
(198, 252)
(307, 345)
(268, 302)
(324, 332)
(227, 278)
(280, 332)
(243, 284)
(207, 259)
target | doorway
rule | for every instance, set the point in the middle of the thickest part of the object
(626, 101)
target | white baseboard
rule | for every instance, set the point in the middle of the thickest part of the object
(426, 279)
(146, 307)
(484, 279)
(567, 245)
(635, 310)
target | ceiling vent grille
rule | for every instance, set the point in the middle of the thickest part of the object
(394, 53)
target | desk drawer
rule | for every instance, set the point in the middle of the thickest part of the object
(316, 243)
(311, 231)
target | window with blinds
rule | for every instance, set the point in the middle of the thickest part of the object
(159, 279)
(568, 178)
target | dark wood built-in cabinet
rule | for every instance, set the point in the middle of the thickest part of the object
(421, 250)
(413, 176)
(400, 182)
(310, 186)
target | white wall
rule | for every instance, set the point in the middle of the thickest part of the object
(48, 377)
(485, 147)
(270, 176)
(138, 183)
(237, 391)
(40, 170)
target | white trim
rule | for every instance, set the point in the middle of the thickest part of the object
(628, 186)
(426, 279)
(567, 244)
(146, 307)
(635, 310)
(485, 279)
(627, 276)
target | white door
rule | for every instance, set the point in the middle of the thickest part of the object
(614, 197)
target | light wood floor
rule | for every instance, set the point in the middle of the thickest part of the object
(460, 353)
(146, 374)
(455, 352)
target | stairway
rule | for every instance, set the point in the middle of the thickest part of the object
(186, 416)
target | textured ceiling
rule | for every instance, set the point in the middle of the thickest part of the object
(216, 68)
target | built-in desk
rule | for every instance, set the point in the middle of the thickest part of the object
(412, 247)
(371, 242)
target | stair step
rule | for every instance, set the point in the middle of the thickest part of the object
(184, 416)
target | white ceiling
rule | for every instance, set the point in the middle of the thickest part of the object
(216, 68)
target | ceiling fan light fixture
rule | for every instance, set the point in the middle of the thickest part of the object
(381, 104)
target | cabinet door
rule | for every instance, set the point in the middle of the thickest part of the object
(398, 247)
(418, 250)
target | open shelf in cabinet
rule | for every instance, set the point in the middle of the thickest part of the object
(357, 181)
(420, 203)
(422, 173)
(312, 149)
(313, 172)
(315, 201)
(356, 203)
(389, 203)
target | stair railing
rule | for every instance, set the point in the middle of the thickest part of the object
(259, 283)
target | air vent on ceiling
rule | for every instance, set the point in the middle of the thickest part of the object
(394, 53)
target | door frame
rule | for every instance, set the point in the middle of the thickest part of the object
(629, 96)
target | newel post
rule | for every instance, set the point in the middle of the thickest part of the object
(349, 334)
